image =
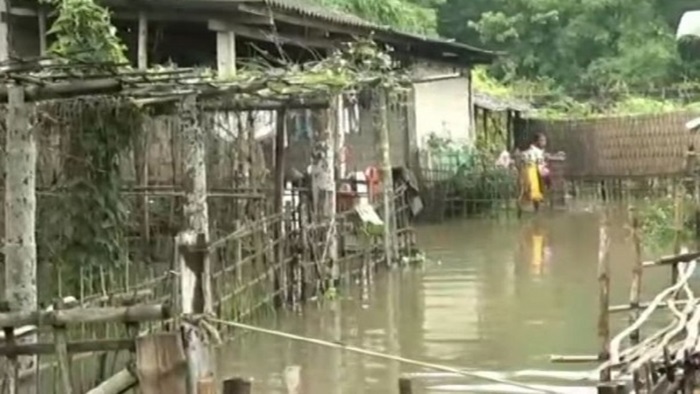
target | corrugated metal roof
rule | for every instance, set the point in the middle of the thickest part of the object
(308, 9)
(493, 103)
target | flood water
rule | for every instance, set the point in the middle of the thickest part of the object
(497, 296)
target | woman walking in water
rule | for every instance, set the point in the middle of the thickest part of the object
(534, 172)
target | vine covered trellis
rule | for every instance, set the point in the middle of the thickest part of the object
(102, 107)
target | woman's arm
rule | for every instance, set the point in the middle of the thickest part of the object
(559, 156)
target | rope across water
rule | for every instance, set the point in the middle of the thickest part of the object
(385, 356)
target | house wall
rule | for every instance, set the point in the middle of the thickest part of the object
(443, 106)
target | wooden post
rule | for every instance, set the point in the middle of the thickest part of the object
(292, 379)
(338, 109)
(161, 363)
(20, 213)
(636, 288)
(195, 270)
(11, 372)
(405, 386)
(237, 386)
(280, 165)
(323, 181)
(41, 20)
(193, 257)
(678, 219)
(206, 385)
(61, 343)
(604, 293)
(121, 382)
(5, 32)
(143, 41)
(141, 145)
(384, 158)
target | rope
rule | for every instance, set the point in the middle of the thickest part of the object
(338, 345)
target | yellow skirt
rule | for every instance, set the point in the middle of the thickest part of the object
(530, 179)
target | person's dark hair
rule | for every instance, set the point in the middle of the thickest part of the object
(536, 137)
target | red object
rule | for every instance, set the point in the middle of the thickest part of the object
(373, 178)
(345, 200)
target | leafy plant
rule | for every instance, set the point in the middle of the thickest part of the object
(84, 33)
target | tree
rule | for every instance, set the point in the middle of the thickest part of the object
(577, 44)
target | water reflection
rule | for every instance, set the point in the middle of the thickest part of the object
(499, 296)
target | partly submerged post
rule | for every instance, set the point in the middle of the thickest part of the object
(323, 181)
(384, 158)
(20, 217)
(194, 265)
(195, 294)
(637, 270)
(604, 293)
(280, 168)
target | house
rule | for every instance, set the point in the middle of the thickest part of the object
(227, 33)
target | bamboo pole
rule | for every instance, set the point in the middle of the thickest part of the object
(118, 383)
(136, 313)
(194, 265)
(324, 186)
(637, 270)
(384, 159)
(237, 386)
(20, 214)
(604, 292)
(61, 347)
(88, 346)
(677, 226)
(280, 165)
(405, 386)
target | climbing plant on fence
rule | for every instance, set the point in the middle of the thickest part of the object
(85, 222)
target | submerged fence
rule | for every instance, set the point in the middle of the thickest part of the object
(117, 186)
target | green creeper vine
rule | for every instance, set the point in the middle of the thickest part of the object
(88, 220)
(87, 224)
(84, 32)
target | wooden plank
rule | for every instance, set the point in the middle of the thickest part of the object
(118, 383)
(161, 364)
(237, 386)
(132, 314)
(100, 345)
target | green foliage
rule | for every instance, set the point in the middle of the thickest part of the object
(84, 33)
(473, 175)
(582, 49)
(86, 223)
(657, 220)
(417, 16)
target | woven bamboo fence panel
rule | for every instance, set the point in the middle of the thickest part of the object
(630, 146)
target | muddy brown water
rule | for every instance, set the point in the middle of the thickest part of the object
(484, 301)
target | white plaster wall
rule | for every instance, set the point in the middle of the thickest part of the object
(443, 107)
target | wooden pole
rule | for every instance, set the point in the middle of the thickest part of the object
(206, 386)
(384, 158)
(323, 182)
(678, 218)
(280, 166)
(41, 20)
(131, 314)
(20, 213)
(61, 341)
(636, 288)
(405, 386)
(292, 379)
(237, 386)
(143, 41)
(604, 292)
(195, 270)
(118, 383)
